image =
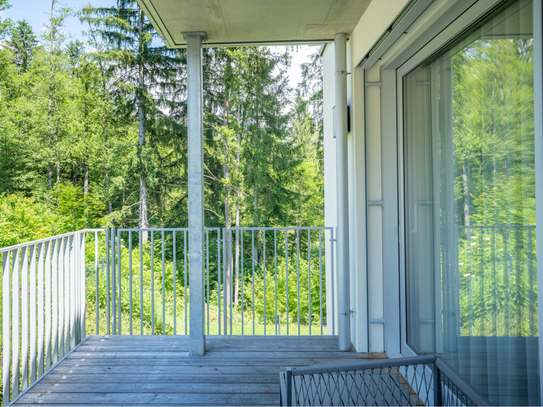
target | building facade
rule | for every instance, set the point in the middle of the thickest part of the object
(444, 165)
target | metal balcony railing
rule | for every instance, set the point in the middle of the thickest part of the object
(43, 306)
(418, 381)
(55, 290)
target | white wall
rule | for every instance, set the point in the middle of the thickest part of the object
(367, 301)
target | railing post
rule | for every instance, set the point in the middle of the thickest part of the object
(288, 380)
(438, 396)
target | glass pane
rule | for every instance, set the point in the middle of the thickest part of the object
(470, 207)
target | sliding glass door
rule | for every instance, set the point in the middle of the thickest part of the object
(469, 178)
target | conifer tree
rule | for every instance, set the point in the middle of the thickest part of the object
(23, 41)
(147, 81)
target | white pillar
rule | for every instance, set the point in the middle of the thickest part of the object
(344, 318)
(195, 106)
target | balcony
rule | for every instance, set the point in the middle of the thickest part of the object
(132, 296)
(103, 317)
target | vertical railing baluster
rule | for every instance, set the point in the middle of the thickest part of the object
(219, 279)
(73, 293)
(286, 273)
(97, 278)
(130, 275)
(56, 287)
(530, 284)
(33, 319)
(185, 276)
(298, 274)
(76, 285)
(174, 251)
(231, 296)
(61, 296)
(207, 278)
(108, 269)
(15, 323)
(163, 287)
(67, 292)
(114, 260)
(48, 301)
(275, 279)
(24, 317)
(119, 283)
(518, 285)
(506, 268)
(332, 279)
(264, 267)
(242, 290)
(6, 328)
(140, 243)
(309, 274)
(253, 276)
(320, 278)
(83, 288)
(225, 282)
(152, 282)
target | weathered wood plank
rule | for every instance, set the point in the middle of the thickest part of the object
(84, 363)
(198, 388)
(222, 355)
(115, 369)
(136, 379)
(184, 348)
(156, 370)
(150, 398)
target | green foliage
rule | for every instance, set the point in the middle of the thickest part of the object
(23, 41)
(22, 220)
(4, 24)
(76, 210)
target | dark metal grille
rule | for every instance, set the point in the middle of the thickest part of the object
(390, 382)
(452, 395)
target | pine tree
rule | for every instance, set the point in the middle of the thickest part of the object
(148, 81)
(23, 41)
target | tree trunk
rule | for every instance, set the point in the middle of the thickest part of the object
(255, 203)
(56, 143)
(227, 216)
(236, 288)
(50, 95)
(86, 180)
(143, 221)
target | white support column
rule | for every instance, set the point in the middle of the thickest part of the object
(344, 305)
(195, 106)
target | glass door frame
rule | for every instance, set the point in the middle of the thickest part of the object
(393, 71)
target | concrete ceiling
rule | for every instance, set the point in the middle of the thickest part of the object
(238, 22)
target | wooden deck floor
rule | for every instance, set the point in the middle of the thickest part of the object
(157, 370)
